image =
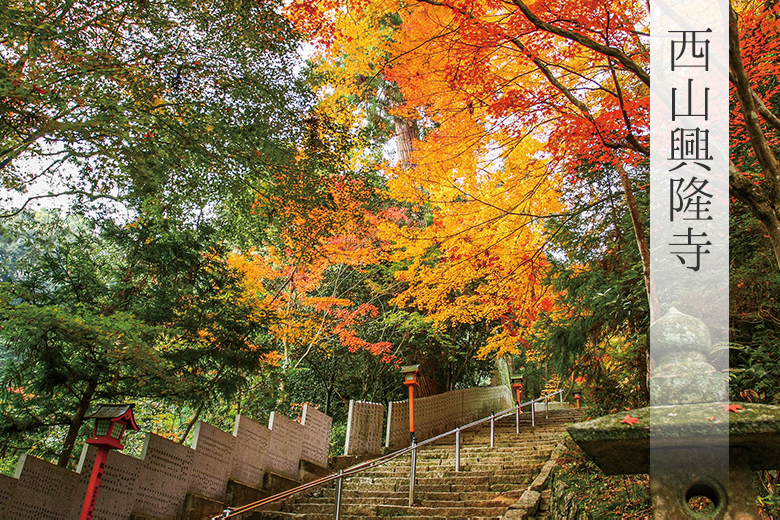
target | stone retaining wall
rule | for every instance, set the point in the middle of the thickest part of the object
(563, 505)
(157, 485)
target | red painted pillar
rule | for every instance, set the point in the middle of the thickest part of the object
(411, 409)
(94, 484)
(411, 385)
(519, 390)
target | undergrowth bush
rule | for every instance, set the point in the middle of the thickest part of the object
(602, 496)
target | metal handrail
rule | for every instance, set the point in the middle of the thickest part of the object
(358, 468)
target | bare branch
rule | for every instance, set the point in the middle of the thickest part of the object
(606, 50)
(90, 195)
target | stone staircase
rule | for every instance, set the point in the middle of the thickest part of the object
(490, 480)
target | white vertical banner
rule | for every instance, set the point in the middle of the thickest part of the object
(689, 124)
(689, 229)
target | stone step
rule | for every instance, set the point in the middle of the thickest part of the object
(448, 452)
(490, 479)
(460, 479)
(425, 493)
(486, 460)
(532, 467)
(328, 515)
(466, 467)
(397, 511)
(329, 495)
(402, 499)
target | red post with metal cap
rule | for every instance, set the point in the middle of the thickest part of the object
(111, 421)
(517, 384)
(410, 380)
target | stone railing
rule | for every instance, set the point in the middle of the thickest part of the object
(169, 474)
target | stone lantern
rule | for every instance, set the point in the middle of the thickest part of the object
(690, 440)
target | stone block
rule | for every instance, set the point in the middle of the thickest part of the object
(316, 436)
(273, 483)
(540, 482)
(211, 462)
(239, 494)
(7, 490)
(118, 487)
(44, 490)
(164, 477)
(251, 448)
(309, 471)
(197, 507)
(285, 446)
(364, 428)
(528, 501)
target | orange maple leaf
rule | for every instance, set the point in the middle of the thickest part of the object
(733, 408)
(629, 420)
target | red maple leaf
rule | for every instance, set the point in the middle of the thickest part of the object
(629, 420)
(733, 408)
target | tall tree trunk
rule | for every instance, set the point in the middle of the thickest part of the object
(772, 225)
(762, 198)
(329, 392)
(642, 240)
(75, 424)
(192, 422)
(405, 134)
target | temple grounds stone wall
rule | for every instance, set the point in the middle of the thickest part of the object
(443, 412)
(157, 485)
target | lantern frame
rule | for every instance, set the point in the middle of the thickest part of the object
(111, 422)
(410, 373)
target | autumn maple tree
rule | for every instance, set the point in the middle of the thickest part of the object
(306, 284)
(497, 107)
(754, 171)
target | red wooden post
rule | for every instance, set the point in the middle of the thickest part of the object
(411, 408)
(111, 421)
(94, 484)
(410, 380)
(517, 384)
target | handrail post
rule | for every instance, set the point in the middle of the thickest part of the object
(338, 496)
(492, 429)
(546, 406)
(457, 450)
(412, 474)
(561, 394)
(517, 419)
(533, 412)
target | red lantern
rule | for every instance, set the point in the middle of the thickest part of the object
(111, 421)
(517, 384)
